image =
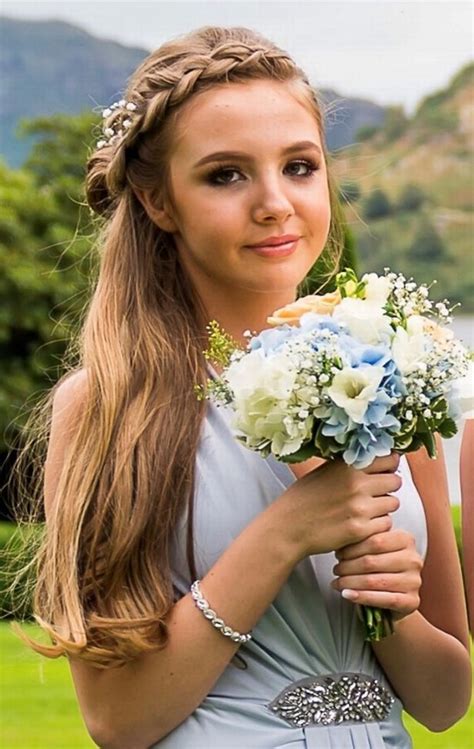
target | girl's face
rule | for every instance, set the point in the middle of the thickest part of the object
(247, 169)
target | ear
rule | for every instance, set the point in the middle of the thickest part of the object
(158, 209)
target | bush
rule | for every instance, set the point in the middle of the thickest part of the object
(427, 245)
(376, 205)
(411, 198)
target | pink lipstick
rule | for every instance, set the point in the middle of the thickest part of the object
(276, 246)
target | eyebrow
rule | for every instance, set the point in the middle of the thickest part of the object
(303, 145)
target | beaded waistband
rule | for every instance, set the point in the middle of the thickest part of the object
(333, 699)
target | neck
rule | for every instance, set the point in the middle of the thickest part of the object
(248, 313)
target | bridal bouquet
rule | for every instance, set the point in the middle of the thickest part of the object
(355, 374)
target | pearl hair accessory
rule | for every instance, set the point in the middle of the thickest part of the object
(112, 134)
(219, 624)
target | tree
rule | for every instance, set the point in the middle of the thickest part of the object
(427, 245)
(376, 205)
(411, 198)
(46, 235)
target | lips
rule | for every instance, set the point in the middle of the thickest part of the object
(276, 241)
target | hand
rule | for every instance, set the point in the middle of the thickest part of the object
(336, 505)
(384, 571)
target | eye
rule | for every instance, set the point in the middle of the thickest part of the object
(301, 168)
(225, 176)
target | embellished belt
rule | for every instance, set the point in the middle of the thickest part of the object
(332, 699)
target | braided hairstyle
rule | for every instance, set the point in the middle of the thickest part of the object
(104, 585)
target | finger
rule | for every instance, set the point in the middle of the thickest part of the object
(401, 603)
(383, 483)
(379, 524)
(388, 463)
(378, 543)
(372, 563)
(383, 505)
(381, 582)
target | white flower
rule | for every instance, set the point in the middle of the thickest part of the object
(364, 319)
(463, 393)
(377, 288)
(353, 389)
(409, 346)
(262, 387)
(255, 375)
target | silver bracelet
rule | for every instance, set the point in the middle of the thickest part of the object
(219, 624)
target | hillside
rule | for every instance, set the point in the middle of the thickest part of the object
(52, 66)
(86, 72)
(429, 157)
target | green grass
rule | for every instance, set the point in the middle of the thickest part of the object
(40, 711)
(37, 699)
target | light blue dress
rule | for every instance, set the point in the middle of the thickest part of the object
(308, 630)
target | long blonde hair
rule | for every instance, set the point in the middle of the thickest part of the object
(103, 579)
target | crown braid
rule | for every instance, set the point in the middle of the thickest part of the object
(169, 77)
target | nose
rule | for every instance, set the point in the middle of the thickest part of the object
(271, 204)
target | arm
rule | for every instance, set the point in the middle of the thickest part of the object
(127, 707)
(430, 645)
(467, 494)
(133, 706)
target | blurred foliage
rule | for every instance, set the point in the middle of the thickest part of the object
(46, 234)
(411, 198)
(376, 205)
(427, 245)
(396, 122)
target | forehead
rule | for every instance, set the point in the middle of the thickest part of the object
(243, 116)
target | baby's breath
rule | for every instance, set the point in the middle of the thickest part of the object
(220, 346)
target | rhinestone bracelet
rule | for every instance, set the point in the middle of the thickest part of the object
(219, 624)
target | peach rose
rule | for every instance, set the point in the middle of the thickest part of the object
(436, 331)
(291, 313)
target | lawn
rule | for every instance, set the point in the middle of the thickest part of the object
(40, 712)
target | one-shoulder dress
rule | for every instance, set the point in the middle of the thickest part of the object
(309, 638)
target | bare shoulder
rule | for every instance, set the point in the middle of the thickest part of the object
(68, 400)
(70, 393)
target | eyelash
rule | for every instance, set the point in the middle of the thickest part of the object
(213, 177)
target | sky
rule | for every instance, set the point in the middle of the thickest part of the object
(389, 51)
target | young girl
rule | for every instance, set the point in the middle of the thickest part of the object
(213, 180)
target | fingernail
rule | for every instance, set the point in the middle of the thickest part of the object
(351, 595)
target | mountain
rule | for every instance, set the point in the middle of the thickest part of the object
(52, 66)
(413, 179)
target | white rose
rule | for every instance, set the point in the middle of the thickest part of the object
(364, 319)
(409, 346)
(377, 289)
(353, 389)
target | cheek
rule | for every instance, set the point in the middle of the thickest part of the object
(207, 215)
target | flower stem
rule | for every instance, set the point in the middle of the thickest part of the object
(378, 623)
